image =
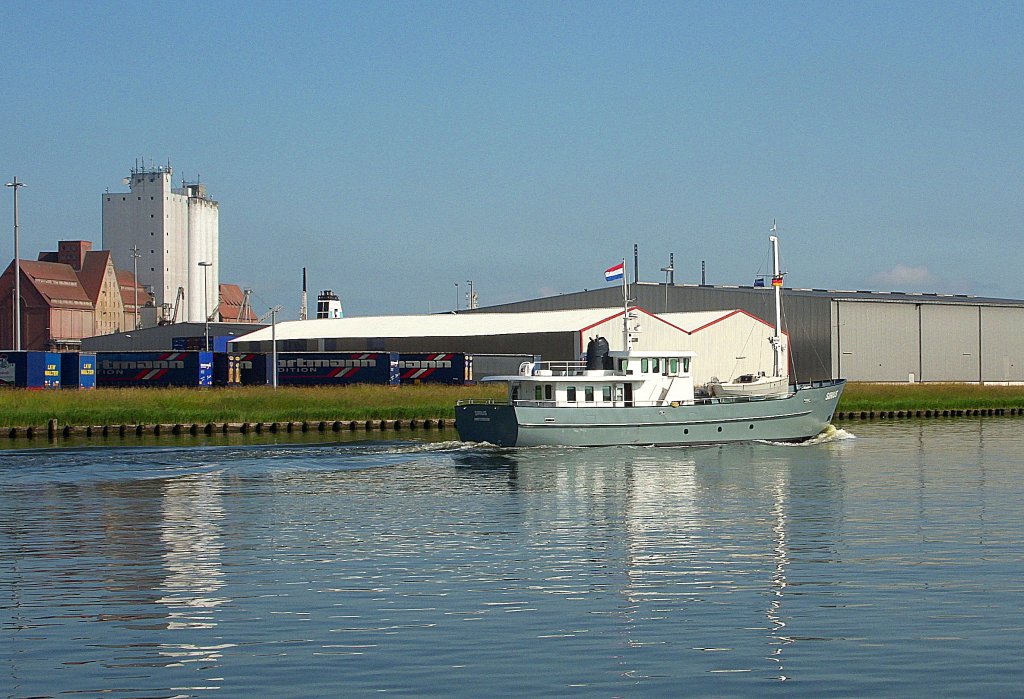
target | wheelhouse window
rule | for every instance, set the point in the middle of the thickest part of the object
(673, 366)
(655, 366)
(645, 365)
(686, 365)
(606, 393)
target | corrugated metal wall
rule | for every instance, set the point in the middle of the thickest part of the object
(1002, 349)
(950, 343)
(807, 319)
(876, 341)
(968, 342)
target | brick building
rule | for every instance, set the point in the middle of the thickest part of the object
(66, 295)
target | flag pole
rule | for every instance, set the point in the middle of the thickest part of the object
(625, 309)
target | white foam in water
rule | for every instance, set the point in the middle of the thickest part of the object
(827, 435)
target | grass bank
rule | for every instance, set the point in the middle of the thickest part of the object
(929, 396)
(133, 406)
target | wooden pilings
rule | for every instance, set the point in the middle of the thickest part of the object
(53, 431)
(903, 414)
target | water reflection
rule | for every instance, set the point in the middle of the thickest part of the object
(422, 569)
(192, 511)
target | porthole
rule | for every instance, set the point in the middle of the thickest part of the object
(685, 431)
(719, 429)
(751, 427)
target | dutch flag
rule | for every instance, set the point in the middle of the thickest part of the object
(616, 272)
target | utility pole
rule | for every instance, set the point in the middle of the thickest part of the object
(17, 269)
(135, 275)
(206, 302)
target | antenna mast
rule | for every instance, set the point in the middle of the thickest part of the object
(302, 307)
(776, 339)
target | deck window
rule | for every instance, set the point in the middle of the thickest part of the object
(673, 366)
(548, 391)
(645, 365)
(588, 394)
(537, 392)
(655, 366)
(606, 394)
(570, 394)
(623, 365)
(686, 365)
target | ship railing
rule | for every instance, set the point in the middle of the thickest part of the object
(554, 368)
(478, 401)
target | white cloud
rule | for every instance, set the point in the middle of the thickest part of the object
(905, 278)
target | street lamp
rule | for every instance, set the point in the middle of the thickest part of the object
(273, 340)
(135, 273)
(206, 315)
(17, 269)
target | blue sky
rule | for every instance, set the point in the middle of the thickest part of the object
(395, 149)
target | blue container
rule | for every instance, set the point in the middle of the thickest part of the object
(241, 369)
(336, 368)
(154, 369)
(433, 367)
(30, 369)
(78, 370)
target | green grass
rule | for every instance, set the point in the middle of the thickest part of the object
(132, 406)
(928, 396)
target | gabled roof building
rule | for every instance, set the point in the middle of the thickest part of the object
(66, 295)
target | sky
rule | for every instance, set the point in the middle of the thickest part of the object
(399, 150)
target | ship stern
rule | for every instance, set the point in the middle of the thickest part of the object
(486, 422)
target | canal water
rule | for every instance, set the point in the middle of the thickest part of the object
(884, 560)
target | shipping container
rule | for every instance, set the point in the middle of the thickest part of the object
(433, 367)
(336, 368)
(30, 369)
(241, 369)
(189, 344)
(78, 370)
(154, 369)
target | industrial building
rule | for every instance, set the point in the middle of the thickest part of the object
(174, 233)
(858, 335)
(554, 335)
(68, 294)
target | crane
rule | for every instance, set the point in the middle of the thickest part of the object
(167, 308)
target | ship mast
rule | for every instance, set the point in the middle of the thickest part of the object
(627, 340)
(776, 339)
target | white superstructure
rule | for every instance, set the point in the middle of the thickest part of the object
(175, 230)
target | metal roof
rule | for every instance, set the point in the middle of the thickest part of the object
(463, 324)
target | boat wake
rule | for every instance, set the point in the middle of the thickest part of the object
(826, 436)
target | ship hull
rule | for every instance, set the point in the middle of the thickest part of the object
(797, 417)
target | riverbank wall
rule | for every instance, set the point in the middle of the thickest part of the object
(53, 430)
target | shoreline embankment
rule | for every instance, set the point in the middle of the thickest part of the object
(99, 413)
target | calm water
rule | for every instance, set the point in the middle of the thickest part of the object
(887, 564)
